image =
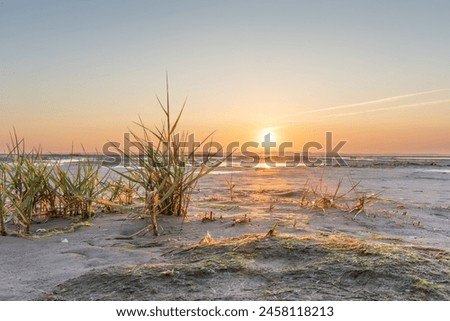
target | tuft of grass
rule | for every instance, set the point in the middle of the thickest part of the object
(230, 187)
(272, 231)
(78, 188)
(318, 197)
(26, 183)
(165, 167)
(209, 217)
(362, 200)
(31, 187)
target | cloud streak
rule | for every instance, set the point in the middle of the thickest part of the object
(427, 103)
(364, 103)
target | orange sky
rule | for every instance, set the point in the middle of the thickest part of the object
(376, 76)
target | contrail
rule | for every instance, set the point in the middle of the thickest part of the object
(370, 102)
(433, 102)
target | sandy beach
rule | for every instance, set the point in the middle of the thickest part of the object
(397, 248)
(290, 151)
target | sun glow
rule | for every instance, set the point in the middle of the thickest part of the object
(264, 132)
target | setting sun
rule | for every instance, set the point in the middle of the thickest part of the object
(267, 131)
(259, 150)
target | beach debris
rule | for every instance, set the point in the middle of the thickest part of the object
(206, 239)
(41, 231)
(272, 231)
(209, 217)
(64, 241)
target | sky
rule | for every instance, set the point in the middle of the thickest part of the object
(374, 73)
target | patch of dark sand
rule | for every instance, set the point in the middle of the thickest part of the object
(31, 266)
(254, 267)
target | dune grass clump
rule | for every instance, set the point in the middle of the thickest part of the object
(318, 197)
(164, 168)
(26, 183)
(32, 187)
(78, 187)
(163, 174)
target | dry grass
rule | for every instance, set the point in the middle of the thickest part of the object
(207, 239)
(72, 227)
(362, 201)
(166, 168)
(164, 179)
(272, 231)
(209, 217)
(255, 267)
(230, 187)
(120, 191)
(31, 187)
(77, 188)
(319, 197)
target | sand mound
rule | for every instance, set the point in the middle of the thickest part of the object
(254, 267)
